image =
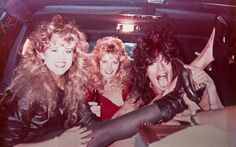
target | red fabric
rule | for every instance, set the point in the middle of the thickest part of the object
(108, 109)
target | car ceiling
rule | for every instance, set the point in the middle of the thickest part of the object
(184, 19)
(187, 20)
(101, 16)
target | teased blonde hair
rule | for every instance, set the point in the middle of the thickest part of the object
(112, 45)
(32, 79)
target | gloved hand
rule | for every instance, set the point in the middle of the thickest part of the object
(85, 116)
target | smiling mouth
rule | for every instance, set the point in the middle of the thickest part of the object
(60, 64)
(162, 80)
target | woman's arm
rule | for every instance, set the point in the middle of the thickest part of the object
(210, 99)
(15, 121)
(206, 55)
(19, 117)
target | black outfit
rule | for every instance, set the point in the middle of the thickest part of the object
(24, 121)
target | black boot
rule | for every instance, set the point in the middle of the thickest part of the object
(221, 41)
(185, 82)
(170, 105)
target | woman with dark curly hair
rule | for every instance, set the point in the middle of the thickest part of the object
(41, 98)
(147, 51)
(155, 74)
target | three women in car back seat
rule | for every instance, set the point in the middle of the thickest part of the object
(49, 89)
(47, 94)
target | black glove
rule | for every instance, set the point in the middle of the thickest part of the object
(106, 132)
(85, 116)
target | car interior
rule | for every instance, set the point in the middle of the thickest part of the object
(190, 22)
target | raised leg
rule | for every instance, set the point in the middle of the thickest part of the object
(217, 45)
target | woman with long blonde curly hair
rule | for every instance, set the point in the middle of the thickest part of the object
(110, 79)
(42, 96)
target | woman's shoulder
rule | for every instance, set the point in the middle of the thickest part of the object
(11, 101)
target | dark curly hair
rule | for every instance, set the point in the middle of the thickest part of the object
(147, 50)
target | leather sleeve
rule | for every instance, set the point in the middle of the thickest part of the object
(25, 121)
(15, 120)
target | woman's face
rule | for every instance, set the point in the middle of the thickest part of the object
(109, 65)
(59, 56)
(160, 74)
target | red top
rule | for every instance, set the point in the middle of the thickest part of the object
(108, 109)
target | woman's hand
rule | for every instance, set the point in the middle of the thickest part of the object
(73, 137)
(210, 99)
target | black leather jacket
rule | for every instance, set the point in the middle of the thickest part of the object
(24, 121)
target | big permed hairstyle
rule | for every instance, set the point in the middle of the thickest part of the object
(32, 79)
(115, 46)
(147, 50)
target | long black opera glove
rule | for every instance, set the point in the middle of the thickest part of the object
(164, 109)
(106, 132)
